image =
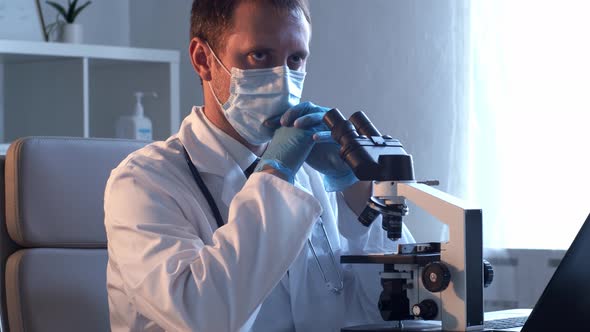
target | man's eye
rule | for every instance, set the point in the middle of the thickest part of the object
(258, 56)
(296, 59)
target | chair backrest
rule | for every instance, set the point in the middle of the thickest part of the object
(7, 248)
(56, 280)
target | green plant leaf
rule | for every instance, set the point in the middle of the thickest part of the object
(71, 7)
(58, 7)
(80, 9)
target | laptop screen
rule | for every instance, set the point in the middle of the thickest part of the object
(565, 303)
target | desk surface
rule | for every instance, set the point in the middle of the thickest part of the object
(503, 314)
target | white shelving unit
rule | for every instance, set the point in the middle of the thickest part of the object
(58, 89)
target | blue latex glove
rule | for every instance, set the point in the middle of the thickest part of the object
(287, 151)
(325, 156)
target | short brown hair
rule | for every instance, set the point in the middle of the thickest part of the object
(210, 19)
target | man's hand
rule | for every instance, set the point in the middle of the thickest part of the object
(286, 152)
(325, 156)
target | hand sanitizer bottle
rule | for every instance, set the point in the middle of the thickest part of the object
(136, 126)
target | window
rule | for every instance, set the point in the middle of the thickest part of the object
(529, 116)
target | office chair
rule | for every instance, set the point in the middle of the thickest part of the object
(56, 271)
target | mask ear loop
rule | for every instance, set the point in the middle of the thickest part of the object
(214, 95)
(209, 82)
(217, 59)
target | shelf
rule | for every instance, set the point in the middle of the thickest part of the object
(16, 51)
(58, 89)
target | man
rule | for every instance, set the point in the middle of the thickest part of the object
(273, 263)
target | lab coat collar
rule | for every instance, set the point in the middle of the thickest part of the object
(240, 154)
(207, 152)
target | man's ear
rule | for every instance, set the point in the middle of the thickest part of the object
(199, 53)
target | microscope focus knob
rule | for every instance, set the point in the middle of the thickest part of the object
(436, 277)
(426, 309)
(488, 273)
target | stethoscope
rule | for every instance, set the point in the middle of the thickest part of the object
(203, 187)
(335, 287)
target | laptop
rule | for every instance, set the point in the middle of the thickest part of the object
(565, 302)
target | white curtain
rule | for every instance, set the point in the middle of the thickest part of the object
(529, 120)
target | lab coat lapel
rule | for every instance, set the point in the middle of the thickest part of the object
(208, 154)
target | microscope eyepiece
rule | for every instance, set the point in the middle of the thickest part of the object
(363, 125)
(371, 156)
(333, 117)
(342, 130)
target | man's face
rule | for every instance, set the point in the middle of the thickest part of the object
(261, 37)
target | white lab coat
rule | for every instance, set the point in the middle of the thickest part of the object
(171, 269)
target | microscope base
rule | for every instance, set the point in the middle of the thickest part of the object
(407, 326)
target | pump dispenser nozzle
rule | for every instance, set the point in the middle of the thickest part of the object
(136, 126)
(138, 105)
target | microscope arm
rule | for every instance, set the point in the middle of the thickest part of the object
(445, 207)
(463, 299)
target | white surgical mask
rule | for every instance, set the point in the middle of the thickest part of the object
(257, 95)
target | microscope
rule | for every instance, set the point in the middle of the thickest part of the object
(426, 286)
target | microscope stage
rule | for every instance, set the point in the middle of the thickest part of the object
(418, 259)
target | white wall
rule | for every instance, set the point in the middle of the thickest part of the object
(399, 61)
(155, 25)
(106, 22)
(402, 63)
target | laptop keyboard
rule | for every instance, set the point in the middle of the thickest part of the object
(505, 323)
